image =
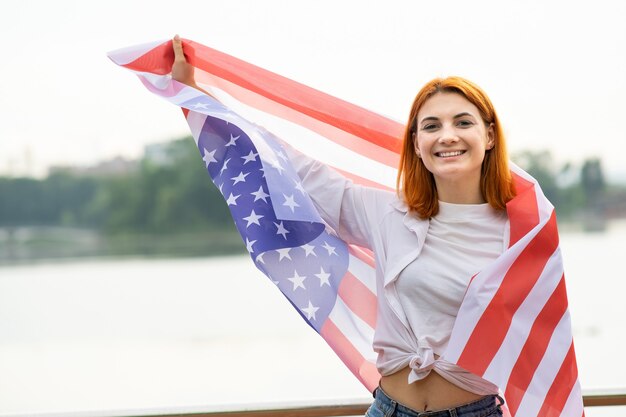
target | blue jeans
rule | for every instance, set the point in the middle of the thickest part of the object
(383, 406)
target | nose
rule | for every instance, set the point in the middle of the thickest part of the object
(448, 135)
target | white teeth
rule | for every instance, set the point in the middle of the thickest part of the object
(448, 154)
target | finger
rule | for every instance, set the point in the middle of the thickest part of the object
(177, 44)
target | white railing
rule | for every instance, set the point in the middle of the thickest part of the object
(344, 408)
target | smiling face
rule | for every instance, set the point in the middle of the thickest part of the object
(451, 140)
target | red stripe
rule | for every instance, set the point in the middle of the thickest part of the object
(341, 137)
(561, 386)
(157, 60)
(487, 336)
(535, 346)
(363, 254)
(358, 298)
(365, 371)
(522, 210)
(353, 119)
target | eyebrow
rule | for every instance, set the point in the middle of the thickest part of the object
(455, 117)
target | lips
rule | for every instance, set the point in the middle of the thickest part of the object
(449, 154)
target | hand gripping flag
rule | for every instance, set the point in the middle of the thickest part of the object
(513, 327)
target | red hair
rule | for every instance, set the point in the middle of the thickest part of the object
(417, 185)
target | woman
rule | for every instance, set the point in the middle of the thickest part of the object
(444, 225)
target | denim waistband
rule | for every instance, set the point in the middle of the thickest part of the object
(483, 407)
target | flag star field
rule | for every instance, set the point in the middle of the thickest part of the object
(304, 258)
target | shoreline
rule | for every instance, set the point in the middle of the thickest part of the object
(45, 244)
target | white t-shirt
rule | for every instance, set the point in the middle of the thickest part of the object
(461, 240)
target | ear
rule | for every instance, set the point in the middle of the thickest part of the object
(415, 147)
(491, 136)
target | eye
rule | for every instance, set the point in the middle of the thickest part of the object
(465, 123)
(429, 126)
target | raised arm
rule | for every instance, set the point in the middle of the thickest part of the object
(182, 70)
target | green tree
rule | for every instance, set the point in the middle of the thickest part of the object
(174, 194)
(593, 183)
(56, 200)
(541, 166)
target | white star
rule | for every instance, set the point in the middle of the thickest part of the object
(289, 202)
(224, 166)
(200, 106)
(253, 218)
(299, 187)
(323, 276)
(284, 253)
(232, 199)
(220, 188)
(260, 195)
(298, 281)
(233, 139)
(308, 250)
(240, 178)
(281, 229)
(208, 157)
(330, 249)
(330, 231)
(281, 155)
(251, 157)
(249, 245)
(310, 311)
(277, 166)
(259, 258)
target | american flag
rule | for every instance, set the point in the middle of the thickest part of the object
(513, 327)
(284, 233)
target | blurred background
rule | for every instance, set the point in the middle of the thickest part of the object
(123, 282)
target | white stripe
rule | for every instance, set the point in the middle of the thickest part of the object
(574, 404)
(502, 364)
(351, 325)
(160, 82)
(363, 272)
(513, 167)
(185, 93)
(313, 144)
(126, 55)
(544, 206)
(196, 122)
(549, 366)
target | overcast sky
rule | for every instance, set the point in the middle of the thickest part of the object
(555, 70)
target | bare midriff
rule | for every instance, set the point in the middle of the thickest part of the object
(431, 393)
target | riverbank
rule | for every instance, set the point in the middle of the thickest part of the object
(35, 244)
(43, 244)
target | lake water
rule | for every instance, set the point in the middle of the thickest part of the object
(110, 335)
